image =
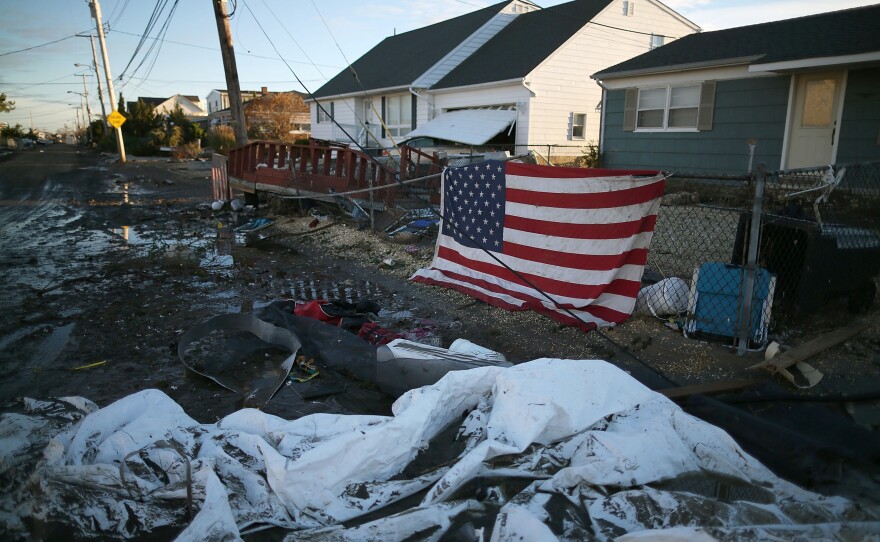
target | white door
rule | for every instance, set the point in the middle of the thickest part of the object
(814, 124)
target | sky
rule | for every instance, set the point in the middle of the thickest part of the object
(279, 44)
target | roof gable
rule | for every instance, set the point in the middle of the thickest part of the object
(838, 33)
(524, 44)
(399, 60)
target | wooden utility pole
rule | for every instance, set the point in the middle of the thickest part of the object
(96, 14)
(232, 87)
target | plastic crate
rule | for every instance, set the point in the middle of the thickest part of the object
(716, 298)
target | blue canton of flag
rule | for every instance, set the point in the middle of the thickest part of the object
(473, 204)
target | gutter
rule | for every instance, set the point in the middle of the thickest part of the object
(602, 117)
(715, 63)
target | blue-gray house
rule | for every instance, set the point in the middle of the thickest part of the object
(797, 93)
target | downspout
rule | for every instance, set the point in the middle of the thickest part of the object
(525, 85)
(602, 117)
(415, 92)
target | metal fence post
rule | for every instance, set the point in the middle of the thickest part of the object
(748, 288)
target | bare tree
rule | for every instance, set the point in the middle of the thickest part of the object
(275, 116)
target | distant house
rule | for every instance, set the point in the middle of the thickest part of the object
(299, 115)
(191, 105)
(218, 104)
(802, 92)
(510, 73)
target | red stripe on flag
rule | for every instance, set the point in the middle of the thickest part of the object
(626, 288)
(622, 287)
(597, 200)
(600, 313)
(587, 262)
(618, 230)
(547, 172)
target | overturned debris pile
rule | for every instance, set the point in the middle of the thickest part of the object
(574, 449)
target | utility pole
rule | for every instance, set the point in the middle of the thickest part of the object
(96, 14)
(88, 107)
(232, 87)
(98, 75)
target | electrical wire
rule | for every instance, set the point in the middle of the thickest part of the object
(152, 52)
(36, 46)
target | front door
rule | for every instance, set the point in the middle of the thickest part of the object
(814, 124)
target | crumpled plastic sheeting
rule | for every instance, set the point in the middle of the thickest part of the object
(553, 449)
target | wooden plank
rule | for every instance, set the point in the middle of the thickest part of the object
(709, 388)
(812, 347)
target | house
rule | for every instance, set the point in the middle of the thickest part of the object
(256, 106)
(280, 116)
(191, 105)
(511, 73)
(796, 93)
(218, 100)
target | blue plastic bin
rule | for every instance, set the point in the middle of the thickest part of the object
(715, 301)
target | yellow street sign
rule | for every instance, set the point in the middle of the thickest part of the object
(116, 119)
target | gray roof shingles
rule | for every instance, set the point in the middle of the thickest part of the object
(399, 60)
(523, 44)
(837, 33)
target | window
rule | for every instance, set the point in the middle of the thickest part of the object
(628, 7)
(669, 107)
(398, 114)
(578, 125)
(656, 41)
(325, 112)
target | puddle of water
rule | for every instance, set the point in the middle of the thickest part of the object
(52, 346)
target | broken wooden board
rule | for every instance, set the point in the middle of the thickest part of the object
(709, 388)
(810, 348)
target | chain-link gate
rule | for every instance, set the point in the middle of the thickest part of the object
(818, 240)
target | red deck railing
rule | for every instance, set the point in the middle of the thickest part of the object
(321, 166)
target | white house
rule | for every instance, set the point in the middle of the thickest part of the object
(512, 73)
(192, 106)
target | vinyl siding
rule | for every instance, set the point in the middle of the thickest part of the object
(860, 124)
(744, 109)
(562, 83)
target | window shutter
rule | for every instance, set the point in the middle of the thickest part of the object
(332, 114)
(415, 109)
(706, 114)
(570, 126)
(384, 135)
(629, 109)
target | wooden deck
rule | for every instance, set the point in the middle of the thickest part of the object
(323, 167)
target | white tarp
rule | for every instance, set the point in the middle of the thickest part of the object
(549, 449)
(467, 126)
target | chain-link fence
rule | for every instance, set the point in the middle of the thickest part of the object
(818, 239)
(818, 230)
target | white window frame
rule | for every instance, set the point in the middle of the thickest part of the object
(583, 126)
(402, 125)
(667, 107)
(657, 40)
(324, 113)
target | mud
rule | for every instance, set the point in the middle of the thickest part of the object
(105, 266)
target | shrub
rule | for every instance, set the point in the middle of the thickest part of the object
(221, 139)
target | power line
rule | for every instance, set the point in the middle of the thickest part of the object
(215, 49)
(37, 46)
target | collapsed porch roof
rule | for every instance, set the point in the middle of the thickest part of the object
(467, 126)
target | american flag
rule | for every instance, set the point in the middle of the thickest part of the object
(579, 235)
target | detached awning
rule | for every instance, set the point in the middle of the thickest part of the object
(468, 126)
